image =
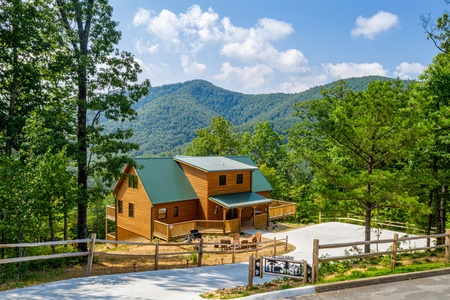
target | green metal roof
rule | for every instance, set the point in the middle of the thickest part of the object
(164, 180)
(259, 182)
(215, 163)
(239, 200)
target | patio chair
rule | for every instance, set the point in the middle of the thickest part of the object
(236, 238)
(254, 241)
(244, 244)
(258, 236)
(195, 234)
(225, 244)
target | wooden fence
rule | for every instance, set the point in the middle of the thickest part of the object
(394, 241)
(350, 218)
(200, 248)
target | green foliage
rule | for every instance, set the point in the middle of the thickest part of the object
(357, 143)
(169, 115)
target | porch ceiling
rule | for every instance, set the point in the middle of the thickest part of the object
(239, 200)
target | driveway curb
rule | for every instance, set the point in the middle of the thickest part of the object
(328, 287)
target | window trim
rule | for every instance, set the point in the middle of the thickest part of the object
(130, 210)
(222, 180)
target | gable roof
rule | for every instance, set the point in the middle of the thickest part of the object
(259, 182)
(163, 180)
(215, 163)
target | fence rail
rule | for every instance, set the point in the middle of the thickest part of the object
(394, 241)
(200, 248)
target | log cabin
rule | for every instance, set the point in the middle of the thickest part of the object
(167, 197)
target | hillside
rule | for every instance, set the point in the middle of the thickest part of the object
(170, 114)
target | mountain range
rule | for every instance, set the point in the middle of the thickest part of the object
(169, 115)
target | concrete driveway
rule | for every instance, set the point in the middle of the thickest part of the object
(189, 283)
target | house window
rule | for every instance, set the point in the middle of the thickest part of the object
(175, 212)
(131, 210)
(133, 182)
(162, 213)
(239, 178)
(119, 207)
(222, 179)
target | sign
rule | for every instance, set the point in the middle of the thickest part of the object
(281, 266)
(257, 267)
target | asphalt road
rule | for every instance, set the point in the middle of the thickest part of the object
(430, 288)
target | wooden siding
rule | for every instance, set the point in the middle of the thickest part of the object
(186, 211)
(140, 223)
(231, 187)
(199, 182)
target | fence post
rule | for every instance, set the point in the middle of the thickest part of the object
(251, 264)
(275, 246)
(233, 257)
(200, 253)
(320, 217)
(305, 272)
(394, 251)
(156, 254)
(286, 247)
(91, 255)
(256, 247)
(348, 218)
(447, 244)
(315, 266)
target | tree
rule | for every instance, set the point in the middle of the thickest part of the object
(105, 82)
(219, 138)
(357, 143)
(266, 146)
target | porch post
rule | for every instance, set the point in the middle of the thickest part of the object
(268, 213)
(224, 219)
(240, 218)
(254, 214)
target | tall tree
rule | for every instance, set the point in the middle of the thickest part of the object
(105, 79)
(219, 138)
(356, 143)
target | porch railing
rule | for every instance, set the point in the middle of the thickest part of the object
(282, 209)
(260, 220)
(110, 212)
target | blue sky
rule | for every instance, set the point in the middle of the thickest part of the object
(265, 46)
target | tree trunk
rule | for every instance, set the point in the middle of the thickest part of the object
(367, 228)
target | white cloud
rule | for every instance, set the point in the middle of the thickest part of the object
(370, 27)
(166, 26)
(191, 68)
(408, 70)
(248, 77)
(300, 84)
(142, 47)
(141, 17)
(348, 70)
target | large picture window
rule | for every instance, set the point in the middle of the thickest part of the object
(222, 179)
(162, 213)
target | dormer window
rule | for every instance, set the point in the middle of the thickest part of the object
(222, 179)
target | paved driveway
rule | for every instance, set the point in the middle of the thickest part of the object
(189, 283)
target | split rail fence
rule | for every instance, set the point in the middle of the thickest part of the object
(393, 252)
(199, 248)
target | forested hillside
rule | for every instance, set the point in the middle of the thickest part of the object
(169, 115)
